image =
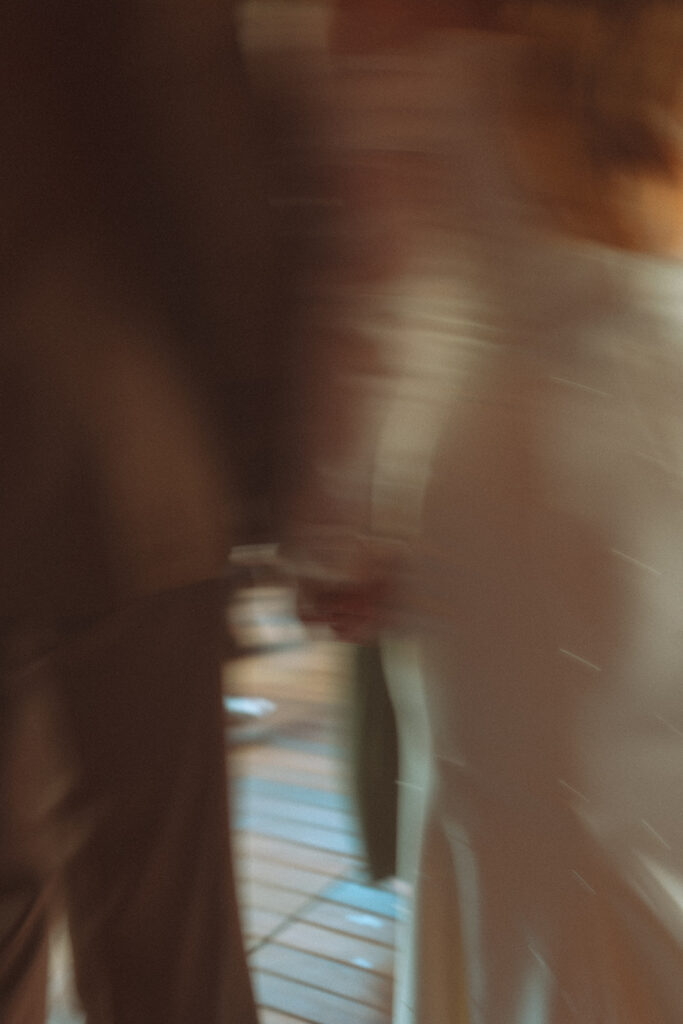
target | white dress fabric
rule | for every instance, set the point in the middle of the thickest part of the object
(546, 598)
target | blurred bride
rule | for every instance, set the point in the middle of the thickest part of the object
(525, 449)
(546, 591)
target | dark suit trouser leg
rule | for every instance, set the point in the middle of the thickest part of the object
(23, 950)
(32, 776)
(150, 892)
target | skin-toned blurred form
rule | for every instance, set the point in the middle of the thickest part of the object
(381, 368)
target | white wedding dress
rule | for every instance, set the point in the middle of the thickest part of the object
(546, 601)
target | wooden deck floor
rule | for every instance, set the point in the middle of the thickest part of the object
(320, 937)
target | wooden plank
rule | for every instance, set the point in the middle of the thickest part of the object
(314, 673)
(258, 923)
(336, 946)
(281, 851)
(285, 877)
(328, 975)
(273, 1017)
(304, 737)
(363, 897)
(272, 897)
(248, 785)
(350, 921)
(304, 835)
(295, 778)
(292, 810)
(311, 1004)
(256, 758)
